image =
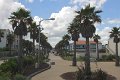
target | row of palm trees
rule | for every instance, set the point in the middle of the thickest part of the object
(23, 23)
(63, 44)
(115, 34)
(83, 24)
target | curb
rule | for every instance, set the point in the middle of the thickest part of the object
(35, 73)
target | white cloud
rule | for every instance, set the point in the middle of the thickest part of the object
(41, 0)
(114, 21)
(104, 34)
(82, 3)
(57, 28)
(6, 8)
(30, 1)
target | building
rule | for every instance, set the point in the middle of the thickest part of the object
(111, 47)
(81, 46)
(3, 42)
(15, 44)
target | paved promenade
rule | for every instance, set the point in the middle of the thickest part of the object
(57, 71)
(63, 68)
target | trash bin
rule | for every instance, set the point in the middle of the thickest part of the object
(36, 65)
(52, 63)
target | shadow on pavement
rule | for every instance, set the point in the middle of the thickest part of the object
(72, 76)
(68, 76)
(110, 77)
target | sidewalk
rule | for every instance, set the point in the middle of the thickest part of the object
(63, 68)
(57, 71)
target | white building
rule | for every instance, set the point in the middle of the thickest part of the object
(111, 47)
(3, 42)
(81, 46)
(15, 44)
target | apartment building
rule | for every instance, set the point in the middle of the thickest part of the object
(111, 47)
(3, 42)
(81, 46)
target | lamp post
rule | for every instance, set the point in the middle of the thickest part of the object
(40, 29)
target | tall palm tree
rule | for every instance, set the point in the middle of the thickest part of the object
(20, 20)
(115, 33)
(66, 39)
(10, 40)
(74, 31)
(96, 37)
(60, 46)
(86, 19)
(43, 40)
(1, 34)
(33, 29)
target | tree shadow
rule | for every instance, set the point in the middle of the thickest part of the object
(110, 77)
(72, 76)
(69, 76)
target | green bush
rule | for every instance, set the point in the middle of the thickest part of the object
(20, 77)
(108, 57)
(4, 78)
(80, 58)
(100, 75)
(27, 60)
(97, 75)
(102, 51)
(10, 66)
(4, 49)
(5, 75)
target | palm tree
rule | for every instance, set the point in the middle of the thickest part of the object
(96, 37)
(86, 19)
(28, 46)
(43, 40)
(74, 31)
(60, 46)
(1, 34)
(33, 29)
(66, 39)
(115, 33)
(10, 40)
(20, 20)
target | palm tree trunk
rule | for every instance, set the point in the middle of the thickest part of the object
(74, 56)
(87, 59)
(20, 46)
(33, 46)
(10, 50)
(117, 57)
(97, 52)
(20, 54)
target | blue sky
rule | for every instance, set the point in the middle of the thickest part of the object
(63, 12)
(45, 8)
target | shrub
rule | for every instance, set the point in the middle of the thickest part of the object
(5, 75)
(27, 60)
(80, 74)
(10, 66)
(108, 57)
(4, 78)
(80, 58)
(97, 75)
(20, 77)
(102, 51)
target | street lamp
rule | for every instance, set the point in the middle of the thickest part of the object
(40, 29)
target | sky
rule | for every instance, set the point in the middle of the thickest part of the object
(64, 12)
